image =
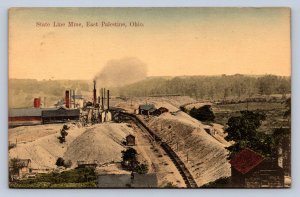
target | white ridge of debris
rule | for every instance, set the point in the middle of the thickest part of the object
(207, 156)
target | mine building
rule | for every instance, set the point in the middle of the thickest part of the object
(130, 140)
(147, 109)
(59, 115)
(24, 116)
(251, 170)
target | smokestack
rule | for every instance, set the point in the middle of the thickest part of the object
(36, 102)
(102, 99)
(99, 99)
(44, 101)
(95, 94)
(67, 99)
(107, 99)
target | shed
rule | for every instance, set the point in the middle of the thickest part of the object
(20, 167)
(130, 140)
(251, 170)
(147, 109)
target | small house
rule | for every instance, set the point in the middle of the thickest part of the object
(130, 140)
(20, 167)
(251, 170)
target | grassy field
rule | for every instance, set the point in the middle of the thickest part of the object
(76, 178)
(274, 113)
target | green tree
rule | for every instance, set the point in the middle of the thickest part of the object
(243, 131)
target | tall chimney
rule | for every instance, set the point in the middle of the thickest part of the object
(95, 94)
(44, 101)
(107, 99)
(102, 99)
(67, 99)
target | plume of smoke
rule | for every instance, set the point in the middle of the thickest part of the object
(119, 72)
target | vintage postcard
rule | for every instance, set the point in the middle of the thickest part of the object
(149, 98)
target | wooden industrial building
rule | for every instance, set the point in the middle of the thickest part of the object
(60, 115)
(24, 116)
(251, 170)
(35, 116)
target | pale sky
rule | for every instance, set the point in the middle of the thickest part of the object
(172, 42)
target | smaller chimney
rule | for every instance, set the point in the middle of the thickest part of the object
(36, 102)
(94, 94)
(107, 99)
(74, 99)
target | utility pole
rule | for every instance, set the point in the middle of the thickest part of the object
(187, 157)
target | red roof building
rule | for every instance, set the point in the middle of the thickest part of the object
(251, 170)
(246, 160)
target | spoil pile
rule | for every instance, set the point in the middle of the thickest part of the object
(203, 154)
(102, 142)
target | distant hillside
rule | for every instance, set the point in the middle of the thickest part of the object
(210, 87)
(22, 91)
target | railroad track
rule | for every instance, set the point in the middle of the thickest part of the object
(184, 172)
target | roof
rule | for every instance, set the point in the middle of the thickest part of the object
(21, 112)
(60, 112)
(147, 107)
(130, 135)
(245, 160)
(22, 163)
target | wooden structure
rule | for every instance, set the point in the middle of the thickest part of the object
(20, 168)
(251, 170)
(24, 116)
(59, 115)
(147, 109)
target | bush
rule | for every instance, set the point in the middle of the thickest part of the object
(142, 169)
(203, 113)
(219, 183)
(60, 162)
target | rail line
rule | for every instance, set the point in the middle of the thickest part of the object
(184, 172)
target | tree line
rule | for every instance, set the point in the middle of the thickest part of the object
(210, 87)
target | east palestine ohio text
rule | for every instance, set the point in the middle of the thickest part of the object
(114, 24)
